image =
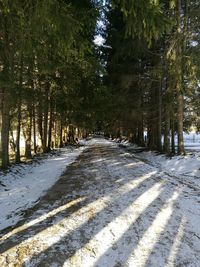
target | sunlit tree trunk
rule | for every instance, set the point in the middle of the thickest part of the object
(17, 154)
(166, 146)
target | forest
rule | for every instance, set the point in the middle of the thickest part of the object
(57, 84)
(99, 133)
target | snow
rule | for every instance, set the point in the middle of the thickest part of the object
(26, 183)
(191, 141)
(180, 165)
(129, 212)
(81, 142)
(186, 168)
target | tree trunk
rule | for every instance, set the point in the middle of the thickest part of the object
(140, 135)
(166, 147)
(7, 63)
(17, 155)
(28, 140)
(172, 135)
(46, 111)
(50, 126)
(34, 130)
(5, 129)
(159, 122)
(179, 82)
(180, 104)
(152, 134)
(61, 132)
(40, 121)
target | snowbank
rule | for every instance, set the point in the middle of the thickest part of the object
(186, 168)
(26, 183)
(182, 165)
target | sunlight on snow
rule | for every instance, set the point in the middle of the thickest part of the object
(176, 244)
(134, 164)
(115, 164)
(152, 234)
(115, 229)
(52, 234)
(97, 160)
(42, 218)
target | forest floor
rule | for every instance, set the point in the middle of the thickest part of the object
(110, 208)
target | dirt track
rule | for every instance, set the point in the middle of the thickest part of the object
(108, 209)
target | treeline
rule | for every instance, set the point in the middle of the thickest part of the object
(152, 54)
(49, 71)
(55, 83)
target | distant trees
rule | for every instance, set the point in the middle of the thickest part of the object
(152, 66)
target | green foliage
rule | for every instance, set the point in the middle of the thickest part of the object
(49, 63)
(144, 19)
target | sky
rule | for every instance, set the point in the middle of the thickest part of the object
(99, 40)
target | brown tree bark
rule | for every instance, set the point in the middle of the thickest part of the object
(28, 134)
(34, 129)
(159, 116)
(61, 133)
(46, 113)
(5, 129)
(172, 135)
(50, 125)
(179, 81)
(17, 154)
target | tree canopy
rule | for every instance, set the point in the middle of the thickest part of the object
(57, 85)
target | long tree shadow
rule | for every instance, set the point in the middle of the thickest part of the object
(179, 244)
(72, 180)
(165, 249)
(129, 242)
(122, 250)
(67, 246)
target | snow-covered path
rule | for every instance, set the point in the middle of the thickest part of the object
(109, 209)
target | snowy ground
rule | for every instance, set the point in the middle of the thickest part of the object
(109, 209)
(192, 141)
(23, 186)
(185, 168)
